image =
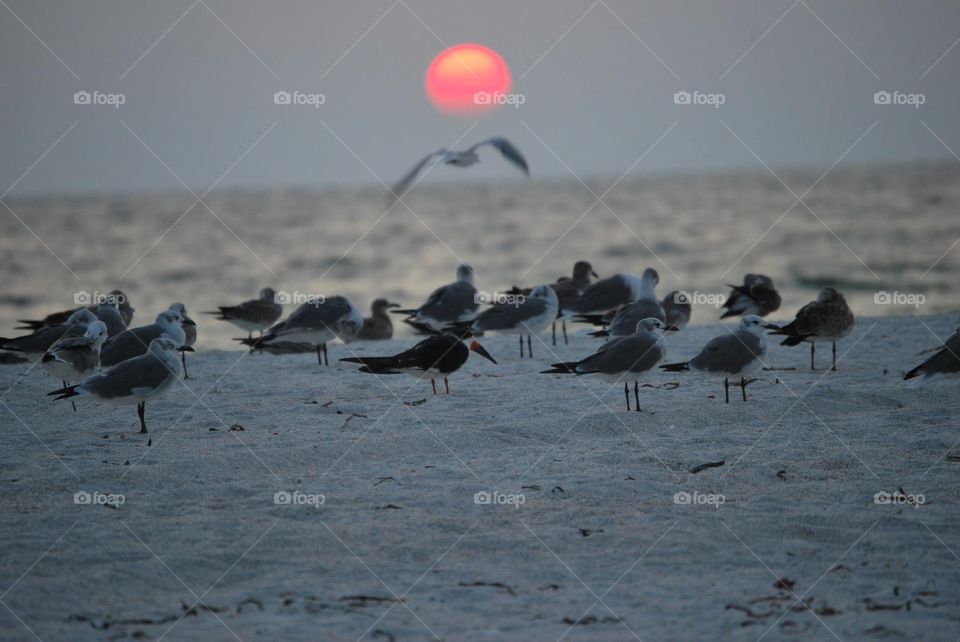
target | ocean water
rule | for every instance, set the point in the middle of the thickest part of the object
(868, 230)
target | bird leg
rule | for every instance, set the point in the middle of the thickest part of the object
(446, 385)
(319, 355)
(726, 389)
(636, 395)
(183, 361)
(743, 387)
(563, 324)
(529, 346)
(434, 384)
(626, 393)
(141, 407)
(813, 350)
(554, 332)
(521, 346)
(326, 357)
(834, 368)
(71, 402)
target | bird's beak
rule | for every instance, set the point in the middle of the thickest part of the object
(479, 349)
(393, 305)
(185, 349)
(595, 275)
(188, 322)
(671, 328)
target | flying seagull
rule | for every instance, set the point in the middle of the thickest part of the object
(461, 158)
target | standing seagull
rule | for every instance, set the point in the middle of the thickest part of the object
(829, 318)
(135, 380)
(40, 341)
(944, 362)
(256, 314)
(316, 324)
(677, 308)
(531, 317)
(568, 290)
(462, 158)
(450, 304)
(377, 326)
(605, 295)
(756, 296)
(116, 298)
(623, 358)
(134, 342)
(434, 357)
(646, 306)
(738, 353)
(75, 358)
(189, 334)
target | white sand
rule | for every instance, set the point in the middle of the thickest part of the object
(803, 461)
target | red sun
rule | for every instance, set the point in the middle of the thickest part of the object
(466, 79)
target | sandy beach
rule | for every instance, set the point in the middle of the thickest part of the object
(588, 535)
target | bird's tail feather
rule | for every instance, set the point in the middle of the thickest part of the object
(676, 367)
(566, 367)
(64, 393)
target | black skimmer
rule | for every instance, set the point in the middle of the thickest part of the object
(827, 319)
(434, 357)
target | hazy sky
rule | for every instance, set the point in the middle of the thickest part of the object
(798, 79)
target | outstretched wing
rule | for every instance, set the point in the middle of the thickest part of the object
(401, 186)
(509, 152)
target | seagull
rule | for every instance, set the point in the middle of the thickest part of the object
(756, 296)
(450, 304)
(606, 294)
(944, 362)
(189, 333)
(568, 290)
(378, 325)
(438, 356)
(134, 341)
(677, 309)
(73, 358)
(315, 323)
(738, 353)
(255, 314)
(528, 318)
(623, 358)
(646, 306)
(134, 380)
(116, 298)
(40, 340)
(461, 158)
(829, 318)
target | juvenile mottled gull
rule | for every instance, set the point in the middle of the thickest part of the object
(253, 315)
(623, 358)
(449, 304)
(40, 341)
(735, 354)
(135, 380)
(316, 323)
(437, 356)
(528, 318)
(462, 158)
(829, 318)
(378, 326)
(756, 296)
(945, 362)
(134, 341)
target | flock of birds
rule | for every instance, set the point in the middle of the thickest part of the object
(94, 352)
